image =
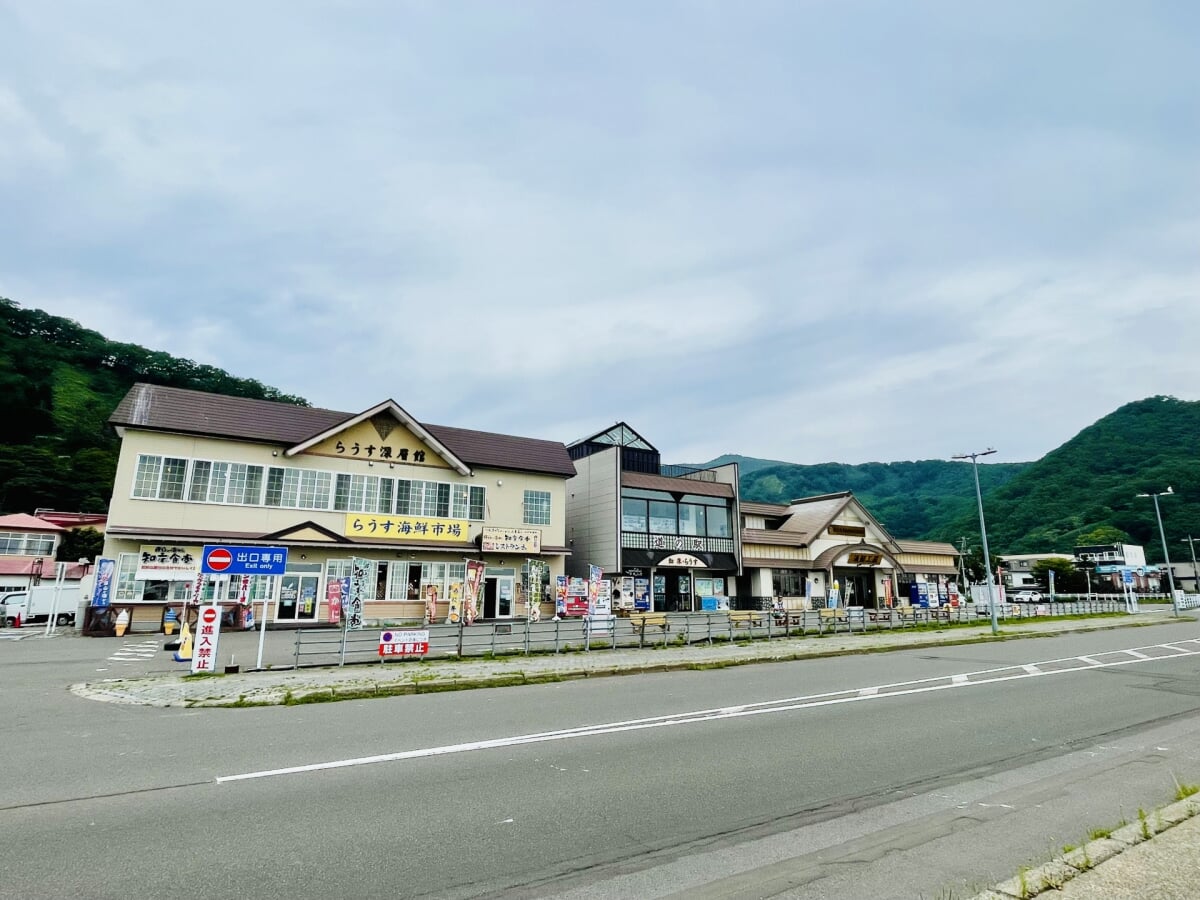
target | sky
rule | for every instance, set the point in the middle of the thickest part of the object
(807, 231)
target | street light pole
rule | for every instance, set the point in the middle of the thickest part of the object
(1195, 568)
(1163, 536)
(987, 557)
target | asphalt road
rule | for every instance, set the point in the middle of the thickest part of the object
(897, 790)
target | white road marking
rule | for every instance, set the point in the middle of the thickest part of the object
(766, 707)
(1137, 654)
(1089, 660)
(134, 652)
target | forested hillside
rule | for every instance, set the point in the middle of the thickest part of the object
(1092, 481)
(912, 499)
(1085, 489)
(59, 382)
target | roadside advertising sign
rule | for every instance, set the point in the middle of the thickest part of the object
(333, 600)
(102, 592)
(403, 643)
(208, 632)
(228, 559)
(362, 573)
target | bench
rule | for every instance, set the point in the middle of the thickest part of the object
(747, 618)
(641, 621)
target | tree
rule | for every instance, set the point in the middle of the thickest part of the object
(1104, 534)
(1067, 578)
(80, 543)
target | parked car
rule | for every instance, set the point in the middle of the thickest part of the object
(1025, 596)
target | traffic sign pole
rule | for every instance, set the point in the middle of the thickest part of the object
(262, 631)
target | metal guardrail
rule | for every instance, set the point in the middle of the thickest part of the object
(519, 637)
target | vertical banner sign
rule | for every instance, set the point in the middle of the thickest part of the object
(102, 592)
(361, 571)
(333, 600)
(454, 612)
(595, 573)
(244, 600)
(474, 583)
(208, 632)
(197, 588)
(560, 595)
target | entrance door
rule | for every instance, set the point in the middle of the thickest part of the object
(498, 596)
(858, 587)
(297, 599)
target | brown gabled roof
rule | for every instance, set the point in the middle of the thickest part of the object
(685, 485)
(927, 547)
(774, 537)
(771, 510)
(505, 451)
(156, 408)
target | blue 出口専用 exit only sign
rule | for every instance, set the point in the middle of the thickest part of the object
(227, 559)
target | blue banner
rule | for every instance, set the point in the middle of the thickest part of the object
(102, 592)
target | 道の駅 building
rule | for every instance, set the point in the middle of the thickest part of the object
(830, 551)
(416, 500)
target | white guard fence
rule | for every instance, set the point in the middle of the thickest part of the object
(331, 646)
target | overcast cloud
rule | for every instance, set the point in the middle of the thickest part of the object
(809, 231)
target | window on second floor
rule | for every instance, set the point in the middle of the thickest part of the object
(536, 508)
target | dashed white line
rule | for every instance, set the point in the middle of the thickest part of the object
(1089, 660)
(853, 695)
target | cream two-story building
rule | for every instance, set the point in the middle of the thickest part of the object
(415, 500)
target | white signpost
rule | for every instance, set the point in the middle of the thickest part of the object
(208, 632)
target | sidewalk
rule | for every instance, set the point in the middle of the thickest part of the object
(1155, 860)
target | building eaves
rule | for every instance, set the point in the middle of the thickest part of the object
(677, 485)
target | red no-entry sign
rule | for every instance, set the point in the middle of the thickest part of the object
(208, 615)
(219, 559)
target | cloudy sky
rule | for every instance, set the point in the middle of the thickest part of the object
(801, 230)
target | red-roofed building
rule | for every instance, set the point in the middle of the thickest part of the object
(28, 545)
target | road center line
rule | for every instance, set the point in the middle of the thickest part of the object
(853, 695)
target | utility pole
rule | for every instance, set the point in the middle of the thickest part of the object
(1163, 535)
(987, 557)
(962, 566)
(1195, 569)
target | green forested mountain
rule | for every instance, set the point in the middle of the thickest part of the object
(59, 382)
(1086, 487)
(912, 499)
(1092, 482)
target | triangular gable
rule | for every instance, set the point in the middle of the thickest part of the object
(371, 436)
(828, 510)
(306, 531)
(619, 435)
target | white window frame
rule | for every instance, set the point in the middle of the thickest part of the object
(532, 505)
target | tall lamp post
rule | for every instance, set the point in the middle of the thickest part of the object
(1163, 535)
(1195, 568)
(987, 557)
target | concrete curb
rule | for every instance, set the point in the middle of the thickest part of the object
(277, 687)
(1054, 874)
